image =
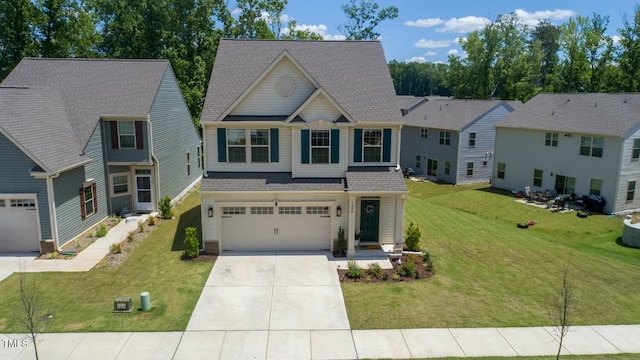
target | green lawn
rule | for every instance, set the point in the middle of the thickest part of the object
(490, 273)
(83, 301)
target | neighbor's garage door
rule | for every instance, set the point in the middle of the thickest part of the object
(249, 228)
(18, 225)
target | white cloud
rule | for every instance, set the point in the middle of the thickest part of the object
(418, 59)
(616, 39)
(432, 44)
(452, 52)
(321, 30)
(430, 53)
(532, 18)
(464, 24)
(424, 22)
(236, 11)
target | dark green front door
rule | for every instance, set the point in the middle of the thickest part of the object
(369, 220)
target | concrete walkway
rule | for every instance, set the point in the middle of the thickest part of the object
(326, 344)
(84, 261)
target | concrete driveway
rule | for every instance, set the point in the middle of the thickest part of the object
(271, 291)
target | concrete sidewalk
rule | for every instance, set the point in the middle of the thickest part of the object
(326, 344)
(84, 261)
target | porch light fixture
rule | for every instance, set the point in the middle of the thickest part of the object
(339, 211)
(210, 211)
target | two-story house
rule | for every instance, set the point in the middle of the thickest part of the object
(573, 144)
(452, 140)
(82, 139)
(301, 138)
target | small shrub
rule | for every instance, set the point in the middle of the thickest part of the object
(396, 277)
(417, 275)
(115, 248)
(428, 265)
(101, 231)
(51, 255)
(342, 242)
(375, 270)
(166, 209)
(77, 244)
(414, 258)
(385, 277)
(426, 257)
(151, 221)
(130, 236)
(407, 269)
(140, 226)
(412, 238)
(354, 271)
(191, 243)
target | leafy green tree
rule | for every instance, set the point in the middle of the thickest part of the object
(545, 40)
(629, 52)
(16, 40)
(299, 34)
(363, 19)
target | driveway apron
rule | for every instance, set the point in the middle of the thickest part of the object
(270, 291)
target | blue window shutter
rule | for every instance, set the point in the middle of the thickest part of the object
(275, 147)
(386, 145)
(222, 145)
(357, 145)
(335, 146)
(304, 146)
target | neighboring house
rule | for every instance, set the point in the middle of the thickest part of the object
(301, 138)
(573, 143)
(83, 139)
(452, 140)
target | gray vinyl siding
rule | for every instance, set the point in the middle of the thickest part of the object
(126, 155)
(484, 128)
(15, 178)
(174, 134)
(429, 148)
(629, 171)
(118, 203)
(413, 145)
(67, 196)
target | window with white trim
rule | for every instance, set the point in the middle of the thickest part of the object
(537, 177)
(447, 167)
(423, 133)
(262, 210)
(551, 139)
(418, 158)
(233, 210)
(2, 203)
(631, 190)
(445, 137)
(188, 163)
(290, 210)
(120, 184)
(432, 167)
(259, 145)
(591, 146)
(237, 145)
(501, 170)
(88, 199)
(595, 187)
(320, 146)
(372, 145)
(472, 139)
(469, 169)
(317, 210)
(127, 134)
(635, 153)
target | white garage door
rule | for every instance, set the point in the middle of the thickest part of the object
(18, 225)
(299, 227)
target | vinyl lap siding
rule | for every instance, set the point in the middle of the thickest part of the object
(320, 109)
(629, 171)
(15, 178)
(318, 170)
(126, 155)
(173, 135)
(387, 220)
(394, 146)
(413, 145)
(67, 198)
(264, 100)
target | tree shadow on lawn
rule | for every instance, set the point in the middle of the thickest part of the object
(493, 190)
(188, 218)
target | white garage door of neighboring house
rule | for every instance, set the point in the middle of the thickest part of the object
(299, 227)
(19, 225)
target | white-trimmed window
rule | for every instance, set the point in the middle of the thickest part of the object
(591, 146)
(551, 139)
(120, 184)
(445, 137)
(447, 167)
(501, 170)
(320, 146)
(423, 133)
(372, 145)
(2, 203)
(472, 140)
(188, 163)
(127, 134)
(635, 153)
(537, 177)
(432, 167)
(418, 159)
(595, 187)
(631, 190)
(259, 145)
(470, 169)
(237, 145)
(88, 200)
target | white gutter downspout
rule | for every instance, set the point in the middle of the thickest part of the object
(398, 147)
(52, 208)
(156, 163)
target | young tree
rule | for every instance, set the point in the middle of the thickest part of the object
(363, 19)
(16, 42)
(629, 52)
(562, 308)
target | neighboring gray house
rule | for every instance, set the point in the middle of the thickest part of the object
(83, 139)
(452, 140)
(573, 143)
(301, 139)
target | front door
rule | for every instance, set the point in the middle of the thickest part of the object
(144, 193)
(369, 220)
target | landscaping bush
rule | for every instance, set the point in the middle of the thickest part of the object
(115, 248)
(166, 209)
(426, 257)
(151, 221)
(354, 271)
(375, 270)
(130, 236)
(191, 242)
(101, 231)
(408, 269)
(414, 258)
(412, 238)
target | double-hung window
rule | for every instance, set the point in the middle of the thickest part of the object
(537, 177)
(119, 184)
(372, 145)
(631, 190)
(635, 154)
(237, 145)
(595, 187)
(469, 169)
(88, 200)
(259, 145)
(591, 146)
(320, 146)
(501, 170)
(423, 133)
(445, 137)
(472, 139)
(127, 134)
(551, 139)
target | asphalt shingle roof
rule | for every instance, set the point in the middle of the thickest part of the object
(277, 181)
(353, 73)
(89, 88)
(24, 109)
(376, 179)
(595, 113)
(450, 114)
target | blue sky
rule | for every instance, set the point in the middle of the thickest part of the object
(427, 30)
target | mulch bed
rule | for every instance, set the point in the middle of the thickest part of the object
(422, 269)
(127, 245)
(203, 257)
(81, 242)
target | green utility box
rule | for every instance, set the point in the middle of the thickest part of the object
(145, 301)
